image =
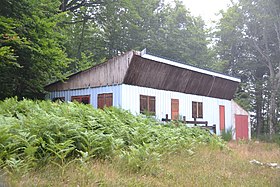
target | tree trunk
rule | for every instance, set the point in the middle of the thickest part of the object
(273, 106)
(79, 55)
(259, 99)
(259, 111)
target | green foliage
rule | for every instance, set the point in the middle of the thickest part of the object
(35, 133)
(227, 135)
(276, 139)
(248, 46)
(119, 26)
(180, 36)
(243, 98)
(265, 138)
(40, 41)
(31, 51)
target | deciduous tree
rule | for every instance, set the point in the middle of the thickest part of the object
(31, 51)
(250, 43)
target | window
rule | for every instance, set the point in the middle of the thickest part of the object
(147, 104)
(85, 99)
(197, 110)
(105, 99)
(62, 99)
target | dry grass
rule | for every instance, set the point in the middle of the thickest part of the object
(221, 168)
(264, 152)
(207, 167)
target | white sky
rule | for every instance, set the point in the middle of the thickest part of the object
(206, 8)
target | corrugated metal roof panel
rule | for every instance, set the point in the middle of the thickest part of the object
(153, 72)
(185, 66)
(149, 73)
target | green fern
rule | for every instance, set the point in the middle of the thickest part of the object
(35, 133)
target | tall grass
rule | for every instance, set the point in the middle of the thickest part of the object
(266, 138)
(36, 133)
(206, 167)
(227, 135)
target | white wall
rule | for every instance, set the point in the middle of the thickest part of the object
(131, 101)
(93, 92)
(128, 97)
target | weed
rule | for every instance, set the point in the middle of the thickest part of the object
(265, 138)
(227, 135)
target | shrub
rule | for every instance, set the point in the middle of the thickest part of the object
(35, 133)
(227, 135)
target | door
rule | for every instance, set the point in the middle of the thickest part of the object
(241, 126)
(174, 109)
(222, 117)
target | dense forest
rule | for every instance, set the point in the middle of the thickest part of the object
(46, 40)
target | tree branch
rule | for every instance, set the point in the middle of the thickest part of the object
(277, 28)
(72, 3)
(255, 45)
(76, 4)
(278, 35)
(65, 5)
(71, 22)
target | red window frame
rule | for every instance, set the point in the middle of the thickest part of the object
(85, 99)
(197, 109)
(104, 100)
(148, 104)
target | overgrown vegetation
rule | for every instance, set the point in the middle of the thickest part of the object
(34, 134)
(206, 167)
(227, 135)
(265, 138)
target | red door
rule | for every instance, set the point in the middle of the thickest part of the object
(174, 109)
(222, 117)
(241, 126)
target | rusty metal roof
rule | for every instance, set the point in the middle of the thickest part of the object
(165, 76)
(141, 69)
(184, 65)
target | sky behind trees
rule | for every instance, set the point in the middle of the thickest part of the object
(207, 9)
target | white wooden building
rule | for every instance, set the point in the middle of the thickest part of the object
(141, 83)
